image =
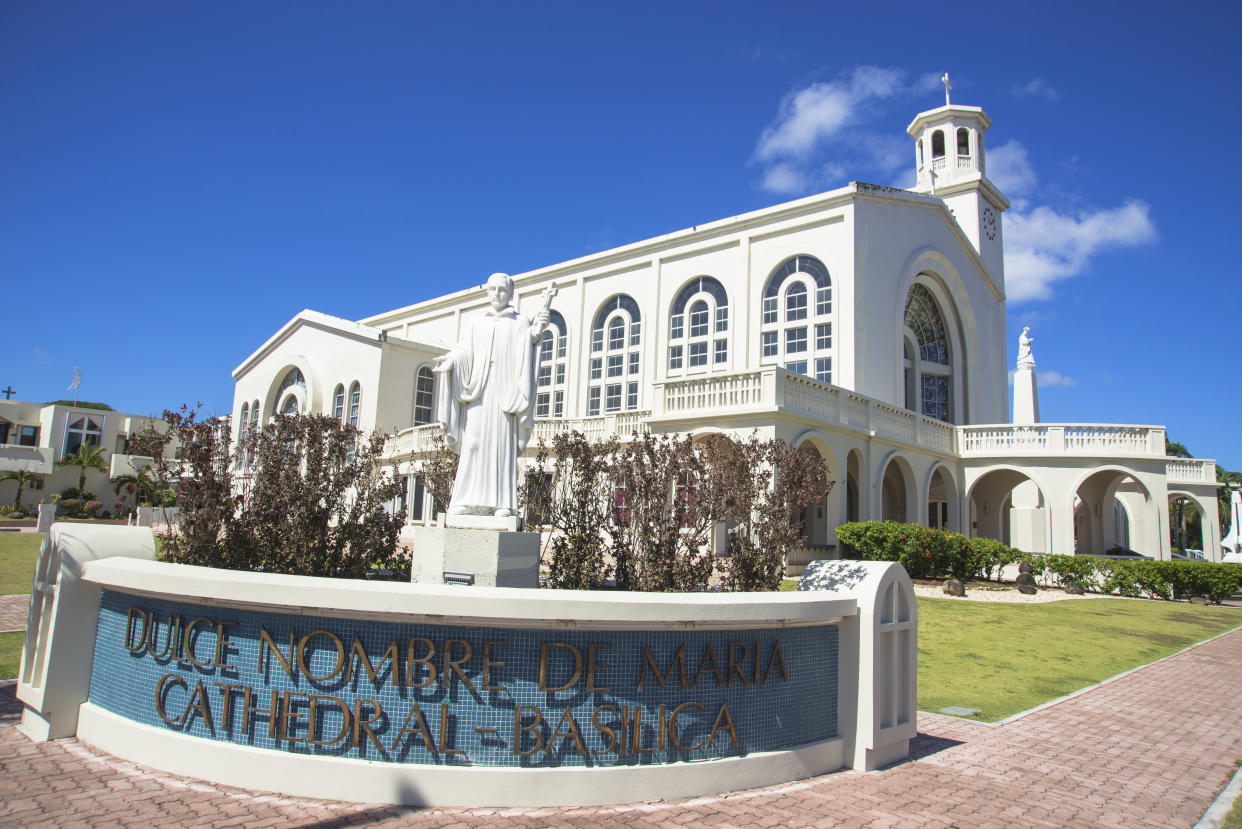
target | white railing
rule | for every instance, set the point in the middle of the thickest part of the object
(964, 162)
(774, 388)
(419, 440)
(1190, 471)
(413, 441)
(937, 164)
(726, 391)
(1061, 439)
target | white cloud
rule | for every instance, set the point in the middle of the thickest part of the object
(783, 178)
(1054, 378)
(1009, 168)
(1048, 379)
(811, 115)
(1036, 88)
(1043, 246)
(830, 115)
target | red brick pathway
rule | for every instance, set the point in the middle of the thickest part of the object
(1150, 749)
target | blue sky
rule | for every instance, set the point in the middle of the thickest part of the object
(178, 180)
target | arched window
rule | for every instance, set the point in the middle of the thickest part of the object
(424, 396)
(801, 338)
(929, 365)
(290, 406)
(551, 363)
(338, 402)
(355, 402)
(254, 416)
(963, 141)
(293, 378)
(243, 423)
(919, 146)
(85, 431)
(703, 338)
(616, 358)
(938, 144)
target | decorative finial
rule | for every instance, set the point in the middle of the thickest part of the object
(944, 79)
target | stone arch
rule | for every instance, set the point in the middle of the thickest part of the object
(898, 494)
(823, 516)
(1090, 502)
(306, 393)
(1209, 530)
(1009, 505)
(855, 486)
(942, 504)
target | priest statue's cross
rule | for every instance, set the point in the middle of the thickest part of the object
(947, 86)
(8, 393)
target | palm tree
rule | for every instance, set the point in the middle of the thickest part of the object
(143, 485)
(86, 457)
(23, 477)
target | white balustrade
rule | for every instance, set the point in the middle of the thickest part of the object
(964, 162)
(727, 391)
(1062, 439)
(894, 423)
(937, 164)
(1190, 470)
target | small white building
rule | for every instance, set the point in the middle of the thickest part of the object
(867, 322)
(37, 436)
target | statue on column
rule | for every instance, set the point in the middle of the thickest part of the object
(487, 405)
(1025, 358)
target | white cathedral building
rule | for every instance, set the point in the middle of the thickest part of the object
(867, 323)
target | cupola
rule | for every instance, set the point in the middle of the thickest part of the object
(948, 144)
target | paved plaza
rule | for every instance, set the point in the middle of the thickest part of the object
(1152, 748)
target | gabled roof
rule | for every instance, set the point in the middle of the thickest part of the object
(325, 322)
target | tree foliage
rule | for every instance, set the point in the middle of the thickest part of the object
(313, 498)
(85, 457)
(644, 513)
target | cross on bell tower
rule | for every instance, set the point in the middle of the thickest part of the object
(8, 393)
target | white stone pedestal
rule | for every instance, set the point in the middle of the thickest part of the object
(494, 558)
(1025, 396)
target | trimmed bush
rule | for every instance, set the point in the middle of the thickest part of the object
(89, 508)
(69, 506)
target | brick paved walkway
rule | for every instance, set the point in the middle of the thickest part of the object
(1150, 749)
(13, 611)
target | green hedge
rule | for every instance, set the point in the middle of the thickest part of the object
(925, 552)
(930, 553)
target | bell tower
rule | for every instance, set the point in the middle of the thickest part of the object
(951, 164)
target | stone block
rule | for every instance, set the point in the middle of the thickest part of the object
(494, 558)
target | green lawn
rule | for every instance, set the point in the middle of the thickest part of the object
(1005, 658)
(10, 653)
(18, 552)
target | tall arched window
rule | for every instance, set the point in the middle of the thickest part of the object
(794, 332)
(85, 431)
(963, 141)
(550, 368)
(938, 144)
(699, 328)
(424, 396)
(355, 402)
(929, 369)
(243, 423)
(338, 402)
(616, 357)
(254, 416)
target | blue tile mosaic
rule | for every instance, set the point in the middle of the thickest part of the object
(444, 694)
